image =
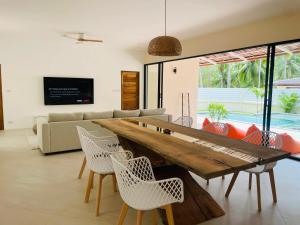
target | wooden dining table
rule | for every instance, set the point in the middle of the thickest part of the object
(175, 151)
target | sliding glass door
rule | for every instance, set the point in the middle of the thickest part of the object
(252, 86)
(231, 87)
(285, 111)
(153, 86)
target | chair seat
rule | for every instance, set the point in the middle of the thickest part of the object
(261, 168)
(102, 166)
(257, 169)
(148, 197)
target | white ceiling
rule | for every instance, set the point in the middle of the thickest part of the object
(132, 23)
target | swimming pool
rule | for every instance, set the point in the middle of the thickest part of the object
(279, 120)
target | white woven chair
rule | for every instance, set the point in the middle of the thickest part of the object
(140, 191)
(270, 140)
(219, 129)
(97, 154)
(186, 121)
(83, 132)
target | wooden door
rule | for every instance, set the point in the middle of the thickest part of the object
(1, 104)
(130, 90)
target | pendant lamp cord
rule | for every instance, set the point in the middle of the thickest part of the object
(165, 17)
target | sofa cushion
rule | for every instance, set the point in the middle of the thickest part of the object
(251, 130)
(98, 115)
(206, 121)
(289, 144)
(152, 112)
(126, 113)
(235, 132)
(58, 117)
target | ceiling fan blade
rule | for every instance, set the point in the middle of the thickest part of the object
(69, 36)
(90, 40)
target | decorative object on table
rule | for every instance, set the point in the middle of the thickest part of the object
(165, 45)
(166, 131)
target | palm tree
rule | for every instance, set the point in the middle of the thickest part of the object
(220, 77)
(251, 73)
(287, 66)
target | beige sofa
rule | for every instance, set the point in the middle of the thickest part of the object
(58, 132)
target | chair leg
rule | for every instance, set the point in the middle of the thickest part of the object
(114, 183)
(139, 217)
(233, 179)
(154, 217)
(170, 216)
(123, 214)
(272, 181)
(82, 168)
(89, 186)
(101, 177)
(92, 185)
(258, 191)
(250, 181)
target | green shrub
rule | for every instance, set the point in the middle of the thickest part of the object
(288, 102)
(217, 111)
(258, 92)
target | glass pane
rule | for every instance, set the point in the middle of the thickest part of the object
(285, 118)
(231, 89)
(152, 86)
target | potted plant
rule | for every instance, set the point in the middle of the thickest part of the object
(288, 101)
(217, 111)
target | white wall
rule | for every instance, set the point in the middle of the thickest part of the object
(25, 59)
(185, 80)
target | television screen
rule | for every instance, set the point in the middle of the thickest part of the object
(67, 91)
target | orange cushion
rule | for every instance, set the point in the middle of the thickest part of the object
(234, 132)
(205, 122)
(209, 126)
(289, 144)
(254, 139)
(252, 129)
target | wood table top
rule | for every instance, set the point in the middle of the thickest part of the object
(266, 155)
(196, 158)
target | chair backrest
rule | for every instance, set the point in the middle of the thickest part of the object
(186, 121)
(268, 139)
(96, 155)
(138, 187)
(81, 133)
(128, 175)
(109, 143)
(265, 138)
(217, 128)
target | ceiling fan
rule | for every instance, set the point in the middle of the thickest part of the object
(80, 38)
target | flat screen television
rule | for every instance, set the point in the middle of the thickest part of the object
(68, 91)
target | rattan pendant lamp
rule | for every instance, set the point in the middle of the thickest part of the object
(165, 45)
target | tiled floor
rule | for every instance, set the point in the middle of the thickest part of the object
(43, 190)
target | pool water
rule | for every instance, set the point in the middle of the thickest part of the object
(279, 120)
